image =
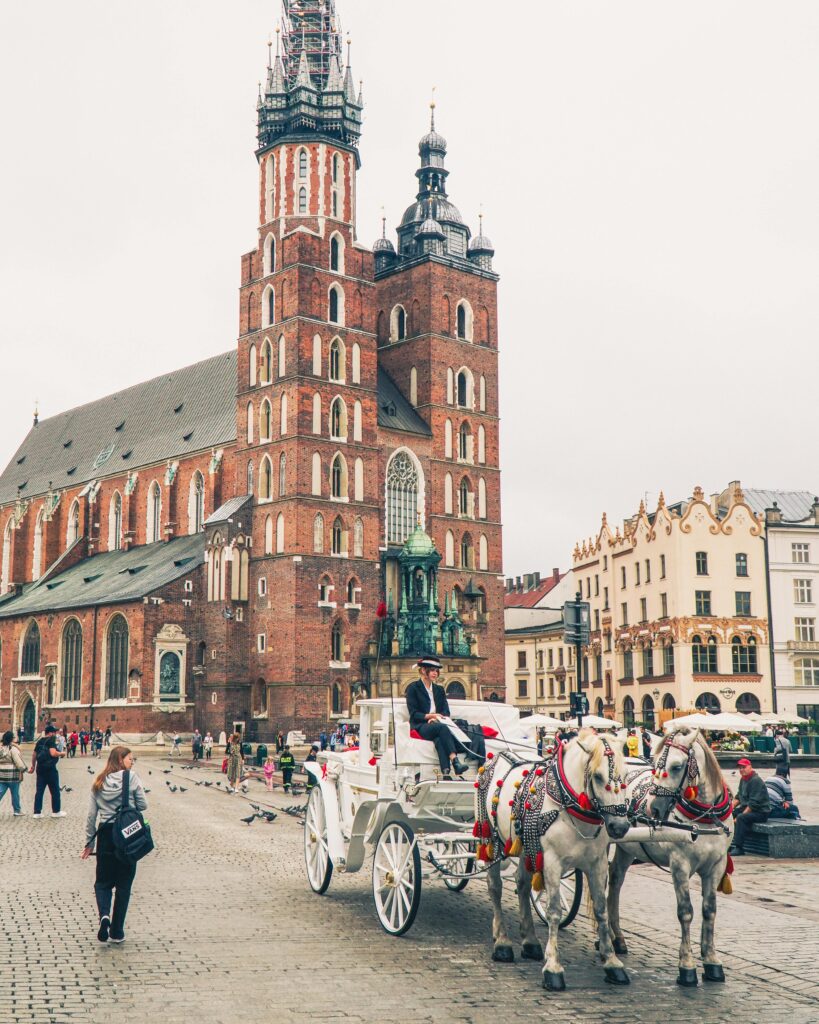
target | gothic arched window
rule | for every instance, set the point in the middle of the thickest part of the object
(72, 661)
(116, 676)
(318, 534)
(154, 513)
(403, 486)
(196, 504)
(302, 163)
(338, 477)
(302, 200)
(73, 524)
(115, 523)
(30, 663)
(282, 475)
(337, 642)
(37, 558)
(338, 361)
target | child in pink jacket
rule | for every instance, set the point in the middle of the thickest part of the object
(269, 768)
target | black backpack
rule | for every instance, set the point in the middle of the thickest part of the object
(44, 758)
(131, 835)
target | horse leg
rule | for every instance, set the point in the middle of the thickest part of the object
(685, 913)
(618, 866)
(502, 951)
(531, 949)
(712, 967)
(613, 967)
(553, 976)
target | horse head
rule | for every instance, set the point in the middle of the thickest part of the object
(679, 766)
(603, 785)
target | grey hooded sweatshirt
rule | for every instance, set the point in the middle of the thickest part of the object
(108, 801)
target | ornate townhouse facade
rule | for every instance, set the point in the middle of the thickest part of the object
(679, 610)
(257, 540)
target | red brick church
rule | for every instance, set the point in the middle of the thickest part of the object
(263, 537)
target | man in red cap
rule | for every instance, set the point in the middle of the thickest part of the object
(751, 804)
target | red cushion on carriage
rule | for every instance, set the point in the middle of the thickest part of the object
(488, 732)
(415, 735)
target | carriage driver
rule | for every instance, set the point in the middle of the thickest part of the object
(427, 703)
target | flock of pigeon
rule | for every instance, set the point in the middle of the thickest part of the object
(259, 812)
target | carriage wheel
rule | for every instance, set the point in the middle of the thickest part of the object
(571, 893)
(463, 866)
(396, 878)
(316, 851)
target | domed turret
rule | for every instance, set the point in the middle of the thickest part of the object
(419, 544)
(481, 249)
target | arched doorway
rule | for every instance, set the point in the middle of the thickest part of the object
(748, 703)
(598, 707)
(648, 713)
(669, 704)
(29, 719)
(708, 702)
(456, 690)
(628, 712)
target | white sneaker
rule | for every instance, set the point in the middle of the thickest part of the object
(58, 814)
(19, 814)
(36, 815)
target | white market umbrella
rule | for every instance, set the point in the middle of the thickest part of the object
(594, 722)
(542, 722)
(783, 720)
(723, 722)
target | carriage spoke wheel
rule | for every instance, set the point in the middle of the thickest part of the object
(316, 851)
(463, 866)
(571, 893)
(396, 878)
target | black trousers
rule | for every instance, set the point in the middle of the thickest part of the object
(112, 874)
(442, 738)
(49, 780)
(742, 825)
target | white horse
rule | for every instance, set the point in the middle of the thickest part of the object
(556, 817)
(683, 785)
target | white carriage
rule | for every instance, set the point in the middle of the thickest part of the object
(389, 797)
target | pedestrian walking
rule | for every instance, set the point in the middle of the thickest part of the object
(323, 739)
(83, 741)
(21, 734)
(112, 873)
(269, 768)
(12, 770)
(207, 745)
(279, 742)
(312, 756)
(60, 740)
(107, 738)
(645, 737)
(176, 745)
(73, 740)
(44, 761)
(782, 754)
(196, 745)
(751, 804)
(235, 761)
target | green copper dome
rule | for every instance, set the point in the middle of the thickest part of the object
(418, 543)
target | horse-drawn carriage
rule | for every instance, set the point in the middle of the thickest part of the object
(549, 821)
(389, 797)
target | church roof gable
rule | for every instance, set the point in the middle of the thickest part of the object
(188, 410)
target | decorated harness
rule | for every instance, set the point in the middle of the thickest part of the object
(529, 821)
(687, 792)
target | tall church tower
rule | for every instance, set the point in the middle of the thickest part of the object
(307, 378)
(437, 329)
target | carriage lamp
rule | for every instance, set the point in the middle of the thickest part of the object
(378, 738)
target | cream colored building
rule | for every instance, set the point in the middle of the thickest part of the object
(678, 610)
(540, 667)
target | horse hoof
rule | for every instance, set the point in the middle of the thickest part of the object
(713, 972)
(620, 947)
(688, 977)
(616, 976)
(531, 951)
(503, 955)
(554, 981)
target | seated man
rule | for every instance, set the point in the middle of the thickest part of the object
(751, 804)
(781, 797)
(427, 703)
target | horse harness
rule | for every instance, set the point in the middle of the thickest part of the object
(530, 823)
(686, 793)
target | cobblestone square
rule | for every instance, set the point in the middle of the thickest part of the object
(223, 926)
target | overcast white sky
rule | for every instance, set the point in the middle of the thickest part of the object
(648, 172)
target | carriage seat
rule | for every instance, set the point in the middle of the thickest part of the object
(411, 748)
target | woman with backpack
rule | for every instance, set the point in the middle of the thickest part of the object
(112, 873)
(12, 770)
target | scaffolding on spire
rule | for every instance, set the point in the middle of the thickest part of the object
(312, 26)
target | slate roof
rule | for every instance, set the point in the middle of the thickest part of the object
(110, 578)
(188, 410)
(794, 505)
(394, 411)
(228, 509)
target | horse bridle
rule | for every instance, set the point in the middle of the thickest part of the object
(661, 772)
(574, 802)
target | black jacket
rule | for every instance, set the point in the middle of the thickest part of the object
(418, 702)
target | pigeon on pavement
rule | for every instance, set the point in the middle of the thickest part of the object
(173, 789)
(90, 770)
(182, 789)
(250, 820)
(269, 816)
(208, 783)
